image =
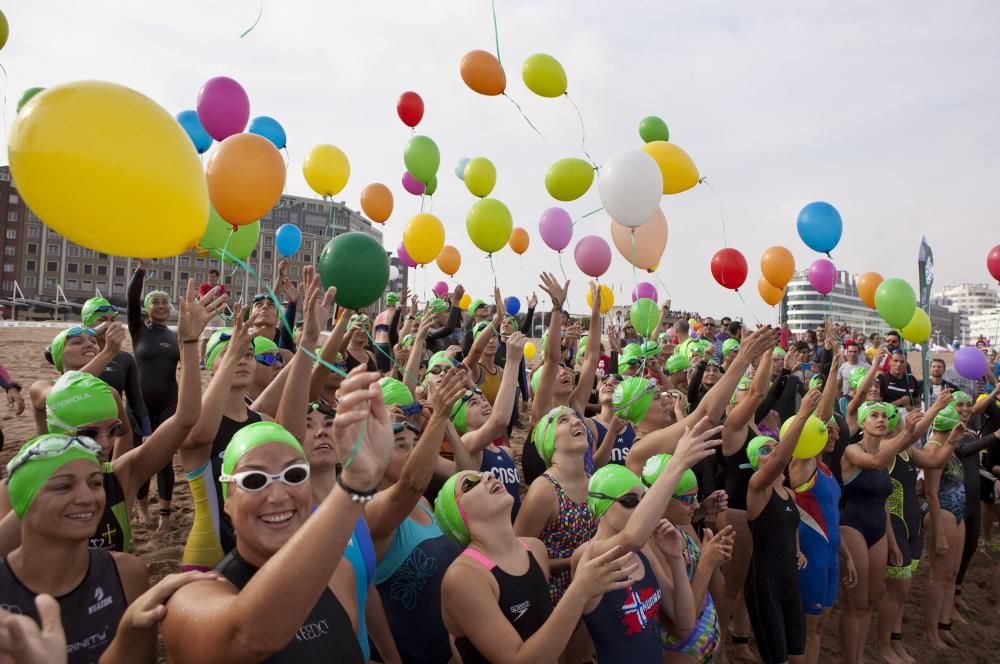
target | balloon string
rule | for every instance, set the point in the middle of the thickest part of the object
(521, 111)
(561, 268)
(722, 213)
(740, 295)
(635, 275)
(662, 285)
(493, 270)
(259, 14)
(496, 33)
(389, 356)
(583, 133)
(421, 202)
(592, 212)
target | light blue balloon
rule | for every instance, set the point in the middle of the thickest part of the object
(270, 129)
(513, 305)
(460, 169)
(288, 239)
(192, 125)
(820, 226)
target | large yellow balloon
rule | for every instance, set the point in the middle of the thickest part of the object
(480, 176)
(423, 237)
(544, 75)
(489, 224)
(569, 179)
(918, 330)
(109, 169)
(679, 171)
(326, 169)
(812, 440)
(769, 292)
(607, 299)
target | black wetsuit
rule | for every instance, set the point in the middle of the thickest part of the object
(440, 339)
(968, 453)
(122, 373)
(90, 612)
(227, 429)
(737, 474)
(326, 635)
(905, 515)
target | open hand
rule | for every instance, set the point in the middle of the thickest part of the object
(194, 314)
(697, 443)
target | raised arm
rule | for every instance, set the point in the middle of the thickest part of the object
(552, 353)
(529, 316)
(454, 316)
(114, 337)
(471, 360)
(830, 387)
(496, 424)
(334, 342)
(765, 476)
(581, 393)
(861, 394)
(133, 299)
(744, 411)
(412, 369)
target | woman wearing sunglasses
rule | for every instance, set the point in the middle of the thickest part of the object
(614, 434)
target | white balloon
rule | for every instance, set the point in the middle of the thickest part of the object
(631, 187)
(460, 168)
(393, 273)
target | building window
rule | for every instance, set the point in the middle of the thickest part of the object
(199, 262)
(185, 261)
(4, 177)
(228, 280)
(29, 266)
(267, 254)
(11, 234)
(119, 286)
(34, 232)
(52, 250)
(71, 267)
(88, 268)
(102, 270)
(8, 267)
(87, 284)
(12, 216)
(307, 258)
(103, 257)
(268, 240)
(213, 263)
(119, 272)
(102, 285)
(185, 276)
(50, 282)
(52, 266)
(13, 199)
(71, 284)
(9, 250)
(151, 274)
(74, 250)
(30, 281)
(253, 254)
(32, 248)
(168, 275)
(88, 253)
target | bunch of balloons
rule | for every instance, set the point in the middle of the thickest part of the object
(777, 267)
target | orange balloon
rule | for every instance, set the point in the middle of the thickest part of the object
(868, 283)
(769, 292)
(245, 176)
(778, 266)
(650, 241)
(483, 73)
(449, 260)
(376, 201)
(519, 240)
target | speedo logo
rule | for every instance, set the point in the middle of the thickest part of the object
(100, 601)
(70, 400)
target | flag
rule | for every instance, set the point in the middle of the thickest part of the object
(925, 267)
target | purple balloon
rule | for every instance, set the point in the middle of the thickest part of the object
(440, 289)
(592, 255)
(823, 276)
(644, 289)
(556, 228)
(404, 257)
(412, 184)
(223, 107)
(971, 363)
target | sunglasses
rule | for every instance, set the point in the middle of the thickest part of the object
(687, 499)
(399, 427)
(94, 432)
(469, 482)
(615, 378)
(764, 451)
(629, 501)
(269, 359)
(258, 480)
(438, 369)
(50, 447)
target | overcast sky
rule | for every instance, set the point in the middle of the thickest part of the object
(888, 110)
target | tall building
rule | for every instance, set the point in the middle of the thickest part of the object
(804, 309)
(986, 325)
(969, 301)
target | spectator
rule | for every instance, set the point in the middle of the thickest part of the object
(897, 385)
(854, 360)
(937, 381)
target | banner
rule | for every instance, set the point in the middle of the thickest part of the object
(925, 267)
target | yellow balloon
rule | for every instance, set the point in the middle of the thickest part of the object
(530, 350)
(489, 224)
(480, 176)
(812, 440)
(544, 75)
(679, 171)
(326, 169)
(109, 169)
(464, 303)
(423, 237)
(918, 330)
(607, 299)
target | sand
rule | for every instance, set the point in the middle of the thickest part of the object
(21, 354)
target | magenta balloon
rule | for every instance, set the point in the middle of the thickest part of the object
(440, 289)
(823, 276)
(592, 255)
(644, 289)
(412, 184)
(404, 257)
(970, 363)
(223, 107)
(556, 228)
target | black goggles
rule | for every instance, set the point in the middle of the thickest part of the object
(629, 501)
(94, 432)
(325, 410)
(399, 427)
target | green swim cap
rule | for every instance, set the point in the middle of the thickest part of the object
(407, 340)
(581, 349)
(78, 399)
(947, 419)
(514, 321)
(633, 397)
(475, 304)
(869, 407)
(959, 395)
(697, 347)
(779, 352)
(29, 470)
(251, 436)
(215, 345)
(448, 514)
(395, 392)
(753, 449)
(655, 466)
(437, 306)
(58, 346)
(264, 345)
(391, 299)
(630, 352)
(460, 411)
(89, 313)
(730, 346)
(148, 301)
(536, 378)
(437, 359)
(742, 386)
(891, 417)
(478, 328)
(544, 434)
(613, 481)
(816, 382)
(677, 362)
(856, 376)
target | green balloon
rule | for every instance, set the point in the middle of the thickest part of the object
(644, 316)
(489, 224)
(895, 302)
(4, 29)
(358, 266)
(569, 179)
(26, 97)
(217, 234)
(432, 186)
(422, 158)
(652, 128)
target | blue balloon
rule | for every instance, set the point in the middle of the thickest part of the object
(270, 129)
(460, 168)
(288, 239)
(192, 125)
(513, 305)
(820, 226)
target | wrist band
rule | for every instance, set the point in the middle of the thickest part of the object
(356, 496)
(190, 341)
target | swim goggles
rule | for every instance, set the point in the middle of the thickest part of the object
(269, 359)
(50, 447)
(629, 501)
(94, 432)
(258, 480)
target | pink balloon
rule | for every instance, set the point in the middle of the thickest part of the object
(592, 255)
(556, 228)
(822, 276)
(412, 184)
(440, 289)
(404, 257)
(223, 107)
(644, 289)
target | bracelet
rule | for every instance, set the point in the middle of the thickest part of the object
(556, 307)
(356, 496)
(190, 341)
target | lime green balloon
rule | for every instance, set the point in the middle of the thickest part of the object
(4, 30)
(480, 176)
(652, 128)
(422, 158)
(895, 302)
(489, 224)
(918, 330)
(432, 186)
(240, 245)
(26, 97)
(569, 179)
(544, 75)
(644, 316)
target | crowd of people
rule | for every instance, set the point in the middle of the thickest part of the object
(365, 496)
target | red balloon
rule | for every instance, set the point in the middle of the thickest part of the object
(729, 267)
(993, 262)
(410, 108)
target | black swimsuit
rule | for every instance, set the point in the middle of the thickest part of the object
(865, 496)
(737, 473)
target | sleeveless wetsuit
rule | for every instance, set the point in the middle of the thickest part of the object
(905, 516)
(738, 471)
(704, 642)
(623, 443)
(90, 612)
(524, 601)
(818, 501)
(574, 525)
(951, 490)
(865, 496)
(625, 626)
(408, 578)
(114, 532)
(772, 588)
(326, 635)
(503, 468)
(211, 535)
(351, 362)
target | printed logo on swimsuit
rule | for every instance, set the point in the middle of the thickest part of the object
(506, 475)
(100, 601)
(313, 631)
(519, 610)
(640, 608)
